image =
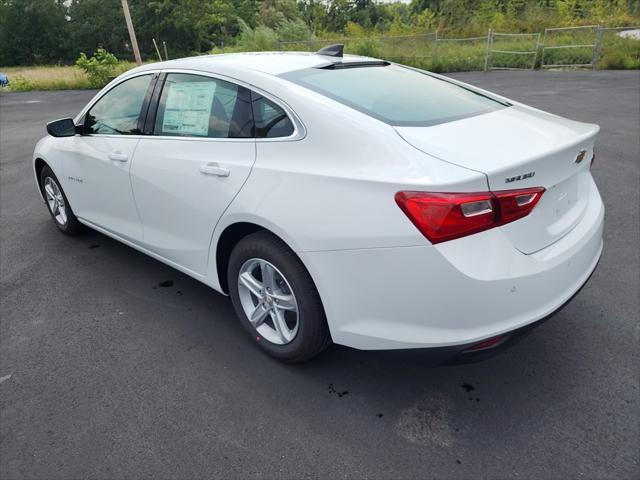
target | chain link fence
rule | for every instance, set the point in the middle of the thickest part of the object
(565, 47)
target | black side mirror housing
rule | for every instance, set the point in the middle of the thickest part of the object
(62, 128)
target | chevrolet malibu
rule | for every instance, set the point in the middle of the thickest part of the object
(336, 198)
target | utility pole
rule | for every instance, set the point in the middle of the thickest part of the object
(132, 32)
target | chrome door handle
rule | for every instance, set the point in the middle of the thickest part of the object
(118, 157)
(214, 169)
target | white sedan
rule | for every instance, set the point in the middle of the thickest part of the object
(336, 198)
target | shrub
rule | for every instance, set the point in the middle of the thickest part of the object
(367, 47)
(292, 30)
(100, 68)
(21, 84)
(256, 39)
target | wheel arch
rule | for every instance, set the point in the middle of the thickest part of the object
(38, 164)
(234, 231)
(228, 239)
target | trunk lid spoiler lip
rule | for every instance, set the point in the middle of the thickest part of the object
(455, 155)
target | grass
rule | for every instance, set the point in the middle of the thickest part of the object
(24, 79)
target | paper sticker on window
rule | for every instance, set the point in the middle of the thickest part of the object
(188, 108)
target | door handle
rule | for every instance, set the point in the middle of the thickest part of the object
(214, 169)
(118, 157)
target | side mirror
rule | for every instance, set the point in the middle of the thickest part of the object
(62, 128)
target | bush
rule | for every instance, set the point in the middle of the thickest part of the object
(367, 47)
(21, 84)
(257, 39)
(101, 68)
(292, 30)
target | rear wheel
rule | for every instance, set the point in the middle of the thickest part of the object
(276, 300)
(58, 204)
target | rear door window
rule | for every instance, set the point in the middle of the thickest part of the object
(199, 106)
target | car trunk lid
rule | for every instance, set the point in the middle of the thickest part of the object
(519, 147)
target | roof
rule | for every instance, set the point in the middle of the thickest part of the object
(273, 63)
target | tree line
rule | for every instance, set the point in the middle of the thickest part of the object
(56, 31)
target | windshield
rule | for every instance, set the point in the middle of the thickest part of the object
(396, 95)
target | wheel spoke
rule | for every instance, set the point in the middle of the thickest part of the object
(268, 275)
(280, 324)
(285, 301)
(252, 284)
(49, 191)
(259, 314)
(63, 214)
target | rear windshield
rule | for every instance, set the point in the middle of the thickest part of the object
(396, 95)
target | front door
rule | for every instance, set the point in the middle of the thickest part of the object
(97, 163)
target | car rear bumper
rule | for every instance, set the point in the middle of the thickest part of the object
(454, 294)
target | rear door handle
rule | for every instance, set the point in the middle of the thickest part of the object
(118, 157)
(214, 169)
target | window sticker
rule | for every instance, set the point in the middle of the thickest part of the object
(188, 108)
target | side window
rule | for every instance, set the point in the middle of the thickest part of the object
(198, 106)
(118, 111)
(271, 121)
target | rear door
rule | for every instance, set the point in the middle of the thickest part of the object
(97, 162)
(198, 156)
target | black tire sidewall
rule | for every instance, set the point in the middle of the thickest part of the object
(312, 336)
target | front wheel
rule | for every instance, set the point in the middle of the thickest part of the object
(276, 299)
(58, 204)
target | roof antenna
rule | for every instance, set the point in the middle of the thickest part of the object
(332, 50)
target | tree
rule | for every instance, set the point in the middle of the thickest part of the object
(98, 24)
(33, 32)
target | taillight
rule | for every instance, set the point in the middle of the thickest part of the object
(445, 216)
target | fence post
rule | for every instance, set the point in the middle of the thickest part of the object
(596, 48)
(434, 55)
(488, 52)
(544, 44)
(278, 44)
(535, 54)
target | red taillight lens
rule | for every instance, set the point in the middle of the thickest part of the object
(515, 204)
(445, 216)
(440, 216)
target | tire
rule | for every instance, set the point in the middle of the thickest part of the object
(57, 204)
(293, 286)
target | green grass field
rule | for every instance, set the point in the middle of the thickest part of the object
(24, 79)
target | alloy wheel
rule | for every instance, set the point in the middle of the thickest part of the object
(268, 301)
(55, 200)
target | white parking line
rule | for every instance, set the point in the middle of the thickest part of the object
(6, 377)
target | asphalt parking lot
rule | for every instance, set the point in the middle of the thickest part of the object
(105, 373)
